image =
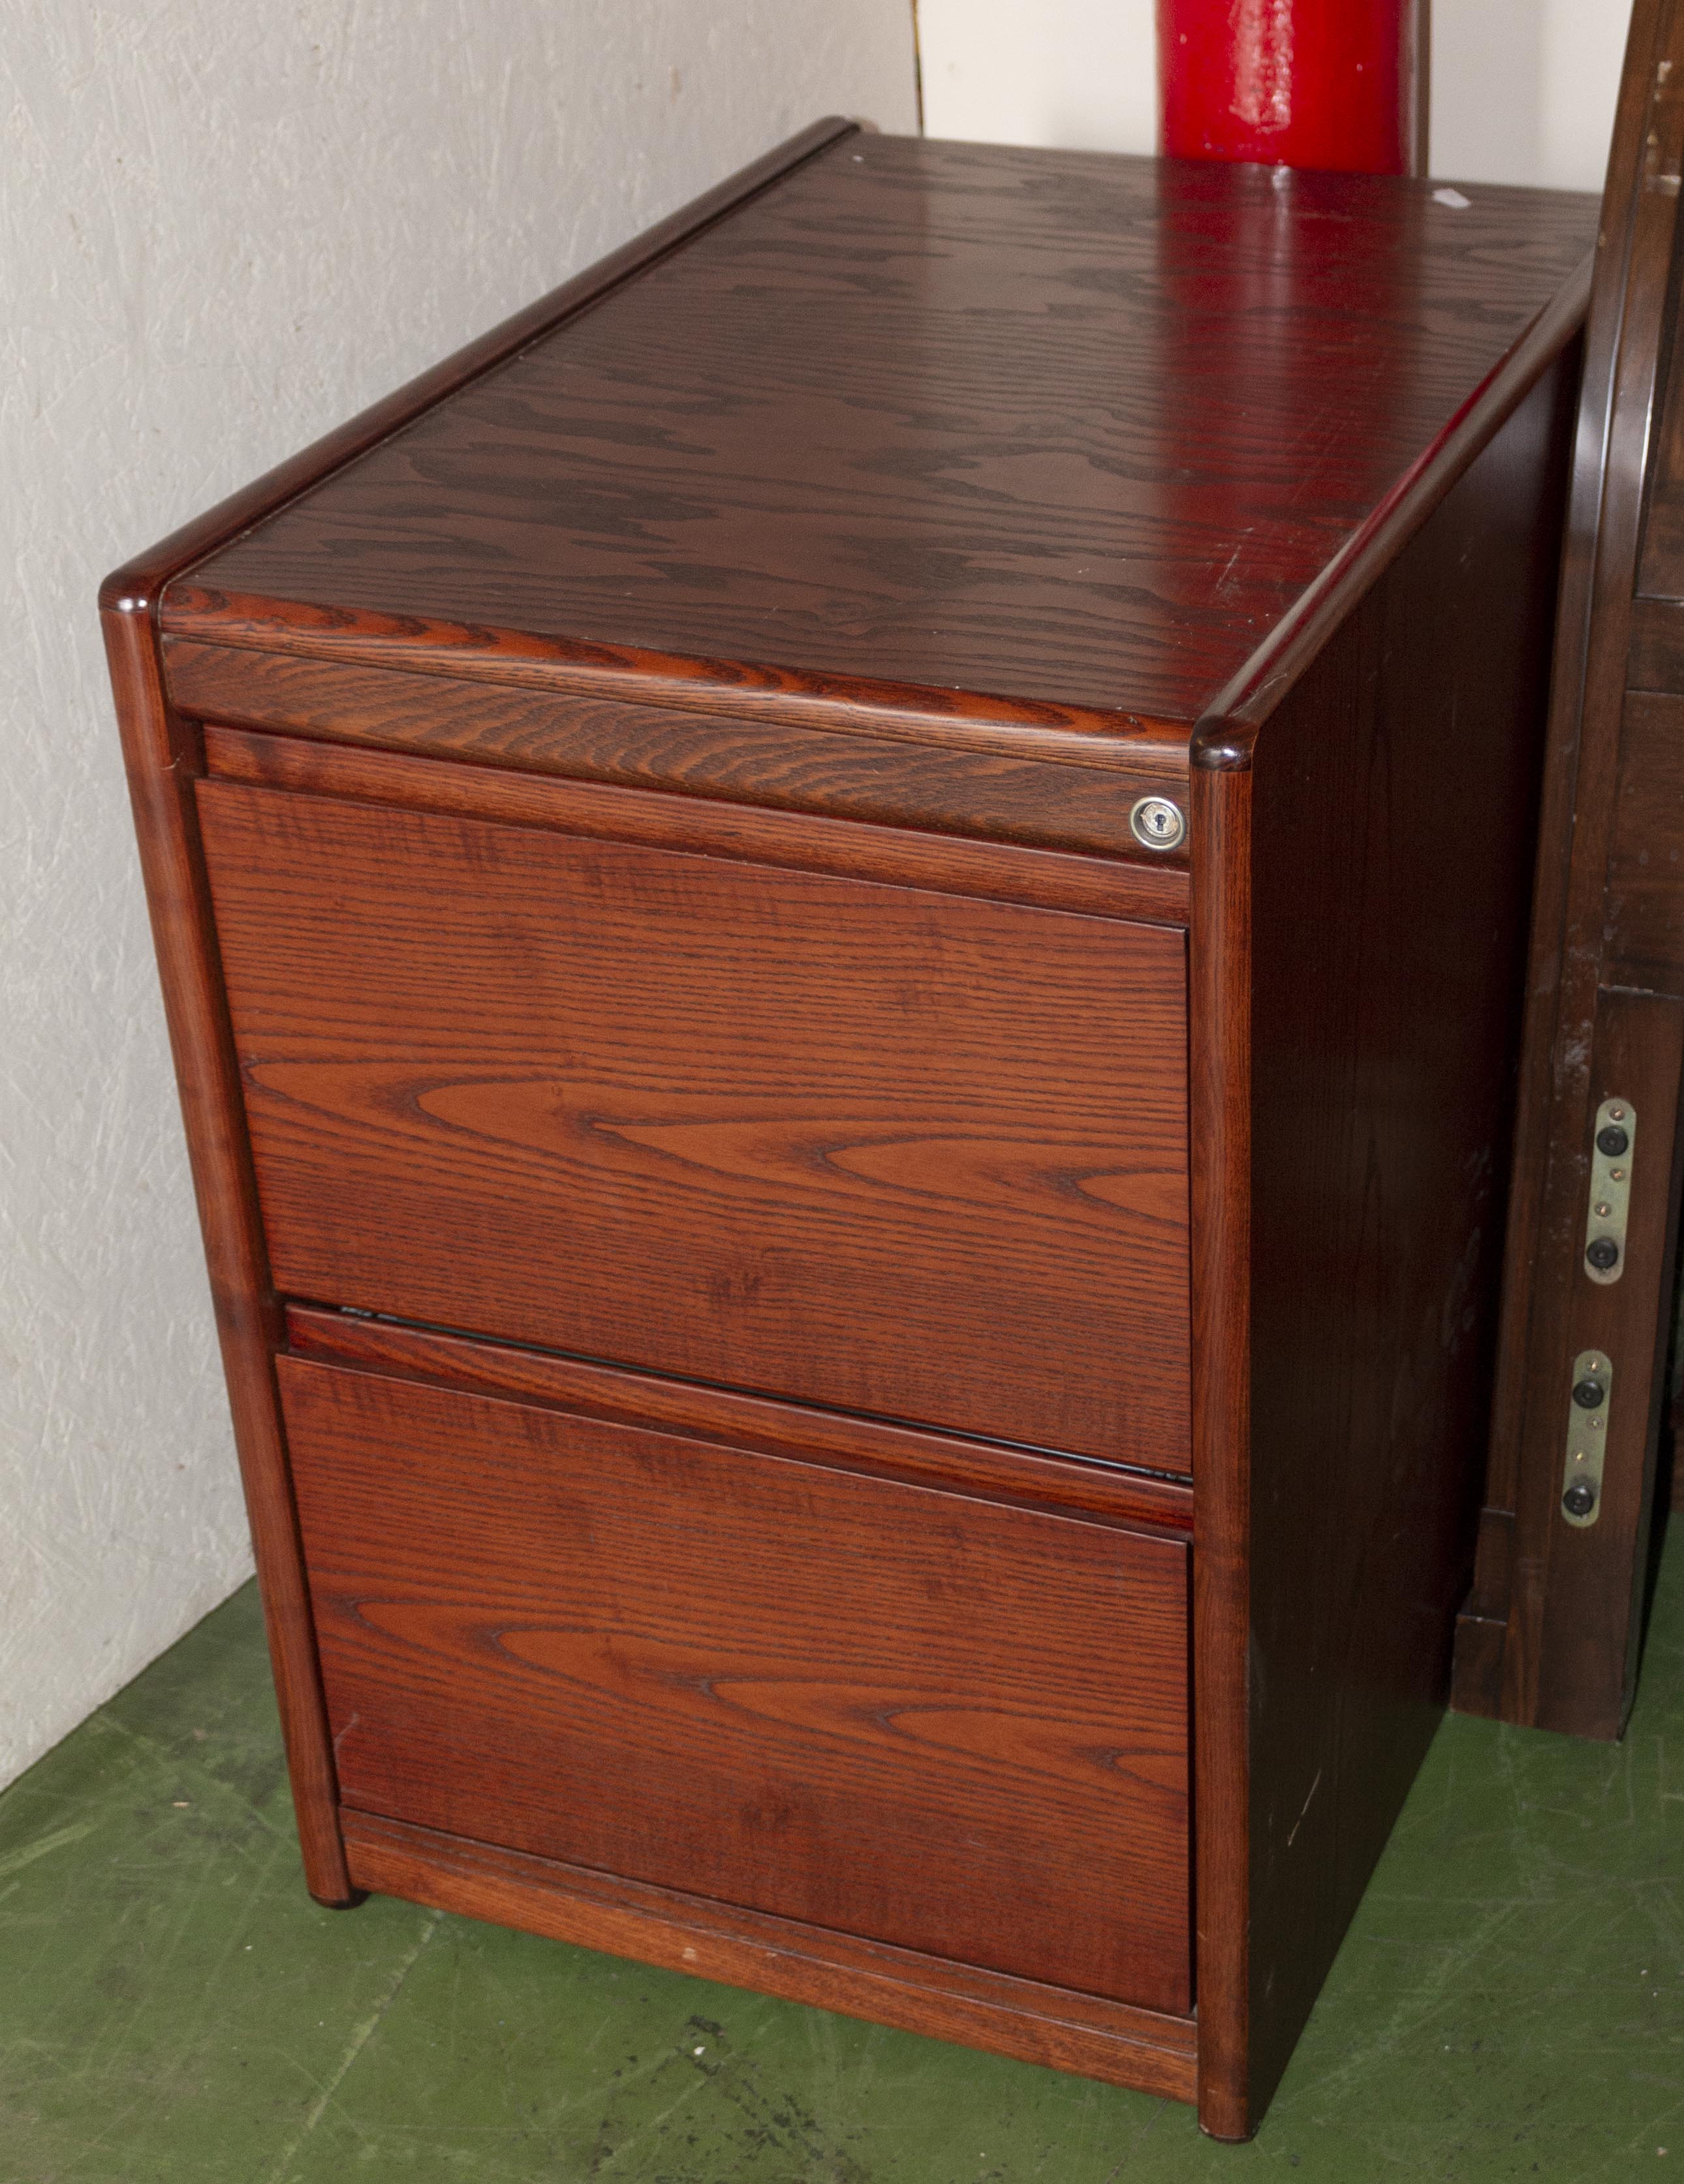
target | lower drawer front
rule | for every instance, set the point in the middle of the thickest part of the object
(943, 1722)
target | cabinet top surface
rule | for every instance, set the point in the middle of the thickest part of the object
(1060, 428)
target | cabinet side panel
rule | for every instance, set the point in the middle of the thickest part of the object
(1395, 801)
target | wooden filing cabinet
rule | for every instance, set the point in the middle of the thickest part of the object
(843, 920)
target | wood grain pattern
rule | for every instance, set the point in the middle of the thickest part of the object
(664, 831)
(1655, 658)
(159, 755)
(136, 586)
(986, 785)
(1548, 355)
(1102, 1492)
(1050, 879)
(1050, 732)
(1219, 1098)
(886, 1150)
(939, 1723)
(1644, 943)
(968, 419)
(1381, 1088)
(1151, 2051)
(162, 757)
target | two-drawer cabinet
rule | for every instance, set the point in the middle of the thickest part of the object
(842, 921)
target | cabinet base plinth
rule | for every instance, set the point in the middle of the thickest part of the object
(1120, 2045)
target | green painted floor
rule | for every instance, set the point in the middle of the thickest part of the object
(1509, 2003)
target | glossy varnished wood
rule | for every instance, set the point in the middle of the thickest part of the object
(1347, 1390)
(732, 1673)
(1220, 1105)
(667, 823)
(1060, 428)
(161, 755)
(996, 1473)
(136, 585)
(991, 781)
(1140, 887)
(871, 1146)
(1149, 2050)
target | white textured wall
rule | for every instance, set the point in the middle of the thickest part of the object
(223, 228)
(1082, 74)
(1522, 90)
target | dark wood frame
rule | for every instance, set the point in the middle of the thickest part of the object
(1549, 1634)
(1265, 1937)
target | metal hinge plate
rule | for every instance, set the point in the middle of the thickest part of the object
(1587, 1401)
(1614, 1139)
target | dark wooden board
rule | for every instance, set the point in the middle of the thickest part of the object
(1102, 1492)
(1152, 2051)
(903, 1153)
(1060, 427)
(1391, 816)
(1577, 1601)
(1532, 1648)
(161, 755)
(935, 1722)
(612, 979)
(1645, 888)
(995, 785)
(1147, 890)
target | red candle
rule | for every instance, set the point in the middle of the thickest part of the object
(1299, 83)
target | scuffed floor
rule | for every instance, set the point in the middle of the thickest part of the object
(1509, 2004)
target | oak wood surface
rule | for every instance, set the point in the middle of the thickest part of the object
(1130, 888)
(1041, 729)
(1148, 2050)
(986, 785)
(933, 1721)
(929, 493)
(1102, 1492)
(1057, 428)
(1219, 1099)
(874, 1147)
(160, 756)
(137, 584)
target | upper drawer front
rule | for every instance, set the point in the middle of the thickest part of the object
(901, 1712)
(895, 1151)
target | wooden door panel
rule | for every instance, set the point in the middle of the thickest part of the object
(897, 1712)
(895, 1151)
(1644, 942)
